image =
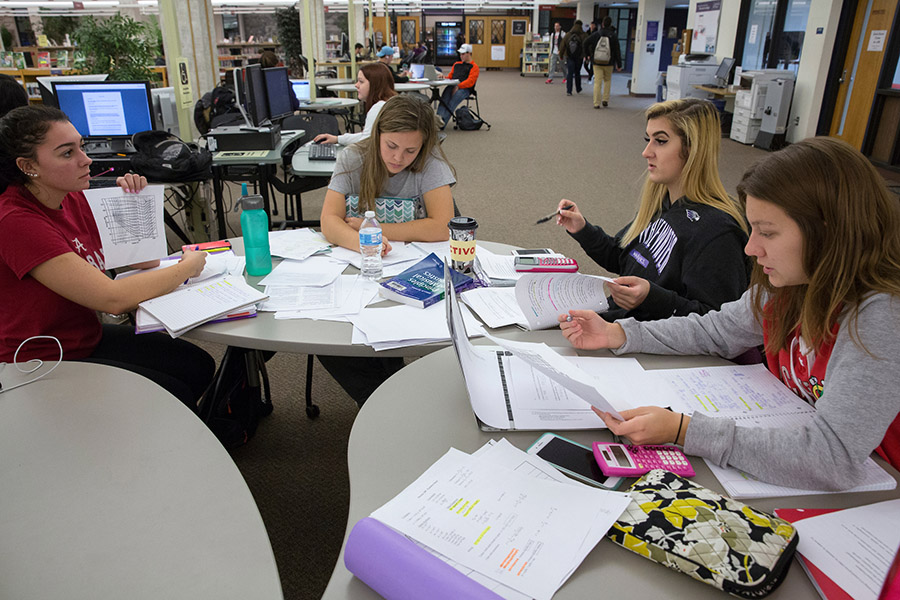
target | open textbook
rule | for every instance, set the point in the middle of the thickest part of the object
(538, 299)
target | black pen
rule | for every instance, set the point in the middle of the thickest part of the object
(553, 214)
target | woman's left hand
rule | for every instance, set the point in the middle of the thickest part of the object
(354, 222)
(647, 425)
(131, 182)
(629, 292)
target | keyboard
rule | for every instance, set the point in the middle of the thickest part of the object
(323, 152)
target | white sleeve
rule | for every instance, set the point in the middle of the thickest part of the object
(351, 138)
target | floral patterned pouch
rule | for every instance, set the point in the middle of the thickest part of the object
(700, 533)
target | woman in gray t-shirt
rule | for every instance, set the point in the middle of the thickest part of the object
(400, 172)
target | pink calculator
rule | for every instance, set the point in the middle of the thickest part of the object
(632, 461)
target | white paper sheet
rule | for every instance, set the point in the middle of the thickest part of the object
(301, 297)
(522, 531)
(496, 306)
(544, 296)
(312, 271)
(352, 295)
(853, 547)
(400, 252)
(297, 244)
(130, 225)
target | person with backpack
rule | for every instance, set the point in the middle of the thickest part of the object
(572, 50)
(466, 71)
(602, 49)
(52, 264)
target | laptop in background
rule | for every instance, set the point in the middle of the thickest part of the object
(301, 90)
(430, 73)
(417, 71)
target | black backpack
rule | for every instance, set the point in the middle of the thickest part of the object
(220, 101)
(467, 120)
(574, 47)
(232, 407)
(163, 157)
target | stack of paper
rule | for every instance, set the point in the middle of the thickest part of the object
(503, 518)
(297, 244)
(752, 397)
(188, 307)
(390, 327)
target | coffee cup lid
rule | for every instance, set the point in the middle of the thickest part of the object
(463, 223)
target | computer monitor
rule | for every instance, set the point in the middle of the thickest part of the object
(255, 91)
(301, 90)
(723, 71)
(165, 112)
(278, 92)
(417, 71)
(345, 46)
(108, 109)
(47, 84)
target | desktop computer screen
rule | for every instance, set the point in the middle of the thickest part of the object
(301, 90)
(106, 109)
(278, 92)
(723, 70)
(417, 71)
(165, 111)
(255, 90)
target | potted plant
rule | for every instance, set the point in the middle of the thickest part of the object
(118, 45)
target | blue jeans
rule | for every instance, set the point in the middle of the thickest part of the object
(450, 99)
(573, 66)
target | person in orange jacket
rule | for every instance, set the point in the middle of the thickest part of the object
(466, 72)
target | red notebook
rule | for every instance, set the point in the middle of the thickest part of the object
(825, 586)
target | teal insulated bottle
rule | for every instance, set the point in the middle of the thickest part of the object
(255, 229)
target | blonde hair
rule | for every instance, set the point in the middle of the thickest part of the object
(851, 238)
(696, 122)
(399, 114)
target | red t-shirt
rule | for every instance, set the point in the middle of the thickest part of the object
(804, 373)
(31, 234)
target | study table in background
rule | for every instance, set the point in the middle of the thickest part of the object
(262, 163)
(387, 453)
(323, 104)
(113, 489)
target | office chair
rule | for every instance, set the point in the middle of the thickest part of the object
(473, 97)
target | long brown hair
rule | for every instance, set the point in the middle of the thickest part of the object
(400, 113)
(851, 237)
(381, 83)
(696, 122)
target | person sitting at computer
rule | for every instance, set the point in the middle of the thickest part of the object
(51, 263)
(466, 72)
(825, 301)
(386, 56)
(374, 86)
(683, 252)
(401, 173)
(361, 53)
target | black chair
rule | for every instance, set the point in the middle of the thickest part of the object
(473, 97)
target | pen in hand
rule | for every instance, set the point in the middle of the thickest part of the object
(553, 214)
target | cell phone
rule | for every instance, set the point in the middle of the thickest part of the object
(573, 459)
(633, 461)
(549, 264)
(530, 251)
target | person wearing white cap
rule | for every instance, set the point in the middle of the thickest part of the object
(466, 72)
(386, 55)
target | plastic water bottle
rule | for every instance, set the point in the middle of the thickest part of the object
(255, 229)
(370, 246)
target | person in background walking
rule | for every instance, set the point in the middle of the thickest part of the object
(556, 38)
(572, 49)
(603, 71)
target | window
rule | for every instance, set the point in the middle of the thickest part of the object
(476, 31)
(498, 31)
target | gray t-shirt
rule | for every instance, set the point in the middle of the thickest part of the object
(401, 200)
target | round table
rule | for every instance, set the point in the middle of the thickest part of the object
(113, 489)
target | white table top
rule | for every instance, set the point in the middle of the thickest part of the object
(327, 83)
(112, 489)
(400, 87)
(301, 165)
(306, 336)
(386, 453)
(328, 104)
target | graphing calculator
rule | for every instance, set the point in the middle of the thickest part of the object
(545, 264)
(631, 461)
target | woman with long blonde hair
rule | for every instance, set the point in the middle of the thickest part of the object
(682, 253)
(400, 172)
(825, 301)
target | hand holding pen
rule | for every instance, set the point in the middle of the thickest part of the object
(569, 216)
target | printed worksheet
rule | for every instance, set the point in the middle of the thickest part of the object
(297, 244)
(521, 531)
(130, 224)
(544, 296)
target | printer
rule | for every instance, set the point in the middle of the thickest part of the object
(243, 137)
(691, 70)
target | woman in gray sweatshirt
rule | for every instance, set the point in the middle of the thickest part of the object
(825, 302)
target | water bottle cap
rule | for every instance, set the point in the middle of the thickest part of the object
(243, 189)
(370, 214)
(254, 202)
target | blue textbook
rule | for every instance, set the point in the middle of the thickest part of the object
(423, 284)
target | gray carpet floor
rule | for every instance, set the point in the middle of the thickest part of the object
(543, 146)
